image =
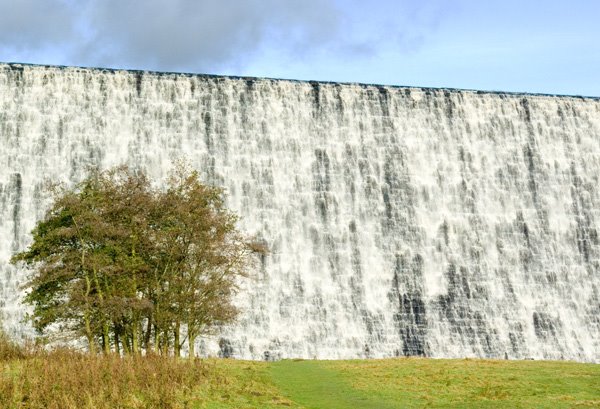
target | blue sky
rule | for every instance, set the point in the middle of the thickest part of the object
(531, 46)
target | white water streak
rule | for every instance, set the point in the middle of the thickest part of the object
(400, 221)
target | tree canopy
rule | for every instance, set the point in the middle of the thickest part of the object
(132, 267)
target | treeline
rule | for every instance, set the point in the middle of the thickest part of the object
(132, 267)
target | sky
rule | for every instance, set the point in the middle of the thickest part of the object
(542, 46)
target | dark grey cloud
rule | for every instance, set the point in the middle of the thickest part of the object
(204, 35)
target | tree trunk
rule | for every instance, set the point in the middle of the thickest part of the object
(156, 346)
(165, 343)
(192, 344)
(86, 318)
(117, 345)
(125, 343)
(90, 339)
(176, 344)
(105, 338)
(134, 338)
(148, 333)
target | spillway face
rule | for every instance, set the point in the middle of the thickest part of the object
(400, 221)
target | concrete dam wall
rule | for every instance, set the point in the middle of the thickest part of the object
(400, 221)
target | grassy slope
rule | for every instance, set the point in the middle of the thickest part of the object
(315, 385)
(67, 380)
(414, 383)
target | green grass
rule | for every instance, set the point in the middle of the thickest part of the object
(417, 383)
(315, 385)
(240, 384)
(65, 379)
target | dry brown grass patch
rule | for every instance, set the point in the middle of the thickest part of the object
(66, 379)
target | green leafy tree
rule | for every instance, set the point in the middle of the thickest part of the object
(129, 267)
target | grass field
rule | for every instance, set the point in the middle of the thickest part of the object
(64, 380)
(437, 383)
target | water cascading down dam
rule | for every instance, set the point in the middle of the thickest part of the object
(400, 221)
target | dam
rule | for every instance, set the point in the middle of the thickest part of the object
(400, 221)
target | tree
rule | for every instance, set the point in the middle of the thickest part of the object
(129, 267)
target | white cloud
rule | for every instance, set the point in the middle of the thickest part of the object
(200, 35)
